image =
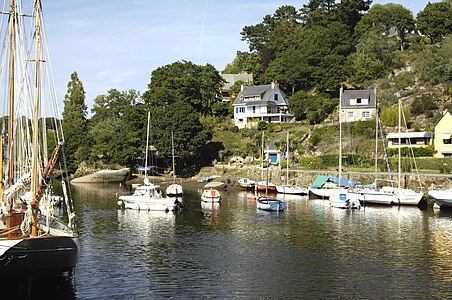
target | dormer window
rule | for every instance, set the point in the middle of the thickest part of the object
(359, 101)
(276, 97)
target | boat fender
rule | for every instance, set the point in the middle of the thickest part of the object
(350, 190)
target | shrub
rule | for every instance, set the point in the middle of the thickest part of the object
(262, 125)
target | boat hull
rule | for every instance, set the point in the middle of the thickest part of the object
(49, 254)
(158, 204)
(291, 189)
(442, 198)
(263, 186)
(322, 193)
(246, 183)
(345, 201)
(211, 196)
(174, 190)
(270, 204)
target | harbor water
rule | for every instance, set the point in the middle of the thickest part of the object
(309, 251)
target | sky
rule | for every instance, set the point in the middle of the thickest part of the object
(117, 44)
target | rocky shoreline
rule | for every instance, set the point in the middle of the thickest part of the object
(229, 175)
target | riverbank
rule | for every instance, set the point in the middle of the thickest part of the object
(229, 175)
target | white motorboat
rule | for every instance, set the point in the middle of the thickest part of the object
(246, 183)
(174, 190)
(211, 195)
(346, 199)
(148, 197)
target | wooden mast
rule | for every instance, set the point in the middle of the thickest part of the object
(12, 45)
(34, 181)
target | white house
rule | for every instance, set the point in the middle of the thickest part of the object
(410, 139)
(263, 102)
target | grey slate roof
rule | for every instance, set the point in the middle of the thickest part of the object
(355, 94)
(265, 92)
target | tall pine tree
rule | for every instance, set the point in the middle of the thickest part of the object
(75, 123)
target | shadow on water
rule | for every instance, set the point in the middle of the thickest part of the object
(40, 286)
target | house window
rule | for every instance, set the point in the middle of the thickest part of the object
(241, 109)
(236, 110)
(447, 141)
(358, 101)
(365, 114)
(276, 97)
(254, 109)
(350, 115)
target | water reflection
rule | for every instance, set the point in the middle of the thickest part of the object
(231, 249)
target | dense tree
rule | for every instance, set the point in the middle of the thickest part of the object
(312, 108)
(434, 63)
(435, 20)
(274, 35)
(317, 59)
(75, 123)
(243, 62)
(117, 127)
(185, 82)
(317, 12)
(386, 17)
(188, 134)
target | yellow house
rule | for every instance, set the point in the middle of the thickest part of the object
(443, 136)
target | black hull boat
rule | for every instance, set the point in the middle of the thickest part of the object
(48, 254)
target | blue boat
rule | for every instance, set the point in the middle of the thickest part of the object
(270, 203)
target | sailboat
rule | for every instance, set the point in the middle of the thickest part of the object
(148, 196)
(174, 189)
(33, 239)
(290, 188)
(264, 185)
(343, 198)
(267, 202)
(390, 195)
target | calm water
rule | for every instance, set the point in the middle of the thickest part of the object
(310, 251)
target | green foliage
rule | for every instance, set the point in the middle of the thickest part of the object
(75, 123)
(365, 67)
(435, 20)
(262, 125)
(434, 63)
(249, 132)
(222, 109)
(363, 128)
(384, 17)
(315, 139)
(403, 81)
(185, 82)
(389, 116)
(313, 108)
(423, 104)
(409, 152)
(243, 62)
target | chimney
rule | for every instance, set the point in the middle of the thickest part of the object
(273, 85)
(241, 87)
